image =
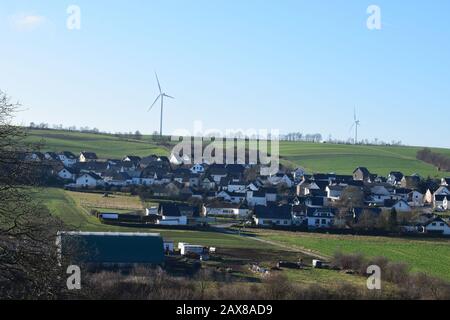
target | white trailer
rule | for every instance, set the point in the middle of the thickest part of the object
(189, 248)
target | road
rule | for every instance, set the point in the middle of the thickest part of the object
(225, 228)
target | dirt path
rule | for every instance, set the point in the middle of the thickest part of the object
(224, 229)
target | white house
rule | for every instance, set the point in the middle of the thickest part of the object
(304, 188)
(255, 198)
(171, 215)
(441, 202)
(89, 180)
(226, 209)
(395, 178)
(232, 197)
(379, 194)
(273, 216)
(66, 174)
(87, 156)
(320, 218)
(439, 226)
(299, 173)
(415, 199)
(441, 197)
(67, 158)
(334, 192)
(172, 221)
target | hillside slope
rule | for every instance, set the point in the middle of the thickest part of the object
(315, 157)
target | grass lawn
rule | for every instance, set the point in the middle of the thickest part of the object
(429, 256)
(113, 202)
(64, 205)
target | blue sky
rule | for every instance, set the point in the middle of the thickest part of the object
(287, 65)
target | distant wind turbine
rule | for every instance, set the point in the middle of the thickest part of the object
(355, 125)
(161, 97)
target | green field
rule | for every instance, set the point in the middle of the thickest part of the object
(106, 146)
(343, 159)
(429, 256)
(65, 205)
(315, 157)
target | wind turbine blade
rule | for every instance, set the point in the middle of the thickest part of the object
(351, 128)
(156, 100)
(166, 95)
(159, 85)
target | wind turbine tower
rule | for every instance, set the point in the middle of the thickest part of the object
(161, 97)
(356, 124)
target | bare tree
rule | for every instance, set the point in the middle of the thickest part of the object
(28, 265)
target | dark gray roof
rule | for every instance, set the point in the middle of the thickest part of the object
(274, 212)
(321, 212)
(169, 209)
(114, 247)
(89, 155)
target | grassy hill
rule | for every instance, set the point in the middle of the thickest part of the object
(315, 157)
(106, 146)
(343, 159)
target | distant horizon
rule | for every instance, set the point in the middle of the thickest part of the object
(324, 141)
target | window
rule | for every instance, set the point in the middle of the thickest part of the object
(324, 221)
(317, 221)
(441, 224)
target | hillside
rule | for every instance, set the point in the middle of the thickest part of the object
(106, 146)
(315, 157)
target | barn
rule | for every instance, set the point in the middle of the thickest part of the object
(112, 248)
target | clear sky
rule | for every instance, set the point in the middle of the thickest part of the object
(288, 65)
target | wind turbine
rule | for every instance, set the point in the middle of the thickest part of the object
(161, 97)
(355, 125)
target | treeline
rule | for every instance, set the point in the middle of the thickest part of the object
(441, 161)
(137, 135)
(318, 138)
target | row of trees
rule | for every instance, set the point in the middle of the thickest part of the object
(298, 136)
(441, 161)
(137, 135)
